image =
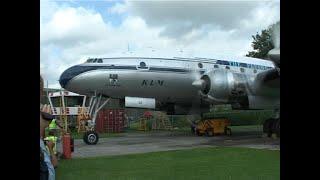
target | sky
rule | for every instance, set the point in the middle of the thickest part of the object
(73, 30)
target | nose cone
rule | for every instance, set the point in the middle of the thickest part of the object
(64, 78)
(69, 74)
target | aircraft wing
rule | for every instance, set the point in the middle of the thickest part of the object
(267, 83)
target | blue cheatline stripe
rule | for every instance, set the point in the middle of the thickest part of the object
(135, 68)
(246, 65)
(76, 70)
(168, 69)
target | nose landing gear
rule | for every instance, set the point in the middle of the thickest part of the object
(91, 137)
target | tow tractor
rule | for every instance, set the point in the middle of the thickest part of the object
(211, 127)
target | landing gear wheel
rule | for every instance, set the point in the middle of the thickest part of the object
(227, 132)
(90, 137)
(267, 126)
(193, 130)
(277, 128)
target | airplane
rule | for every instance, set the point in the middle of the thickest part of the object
(178, 84)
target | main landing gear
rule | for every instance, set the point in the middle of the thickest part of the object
(272, 126)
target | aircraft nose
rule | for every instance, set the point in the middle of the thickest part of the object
(68, 74)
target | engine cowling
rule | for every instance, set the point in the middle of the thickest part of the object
(224, 86)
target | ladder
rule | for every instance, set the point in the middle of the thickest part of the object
(165, 121)
(83, 116)
(63, 115)
(142, 124)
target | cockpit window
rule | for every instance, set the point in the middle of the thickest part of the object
(89, 60)
(94, 60)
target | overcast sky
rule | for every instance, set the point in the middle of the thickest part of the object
(71, 31)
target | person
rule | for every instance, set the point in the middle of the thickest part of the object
(53, 127)
(52, 137)
(48, 160)
(46, 149)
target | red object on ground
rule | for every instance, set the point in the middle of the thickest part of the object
(100, 122)
(66, 140)
(147, 114)
(110, 120)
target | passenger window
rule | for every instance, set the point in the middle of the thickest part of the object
(200, 65)
(243, 64)
(227, 67)
(95, 60)
(99, 60)
(143, 65)
(216, 66)
(242, 69)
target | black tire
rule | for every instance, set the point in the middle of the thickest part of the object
(192, 130)
(268, 126)
(198, 133)
(227, 131)
(277, 130)
(85, 137)
(91, 138)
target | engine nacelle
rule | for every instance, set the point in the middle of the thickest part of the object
(224, 86)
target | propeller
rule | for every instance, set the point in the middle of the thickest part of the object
(274, 54)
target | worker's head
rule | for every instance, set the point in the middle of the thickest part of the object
(45, 119)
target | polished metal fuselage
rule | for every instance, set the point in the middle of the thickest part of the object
(166, 80)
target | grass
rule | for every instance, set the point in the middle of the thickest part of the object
(198, 163)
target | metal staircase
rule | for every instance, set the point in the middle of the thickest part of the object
(165, 121)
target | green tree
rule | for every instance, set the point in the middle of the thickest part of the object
(262, 43)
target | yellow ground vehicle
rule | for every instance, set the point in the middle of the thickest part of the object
(210, 127)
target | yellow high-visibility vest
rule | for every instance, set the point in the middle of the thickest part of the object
(53, 124)
(54, 140)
